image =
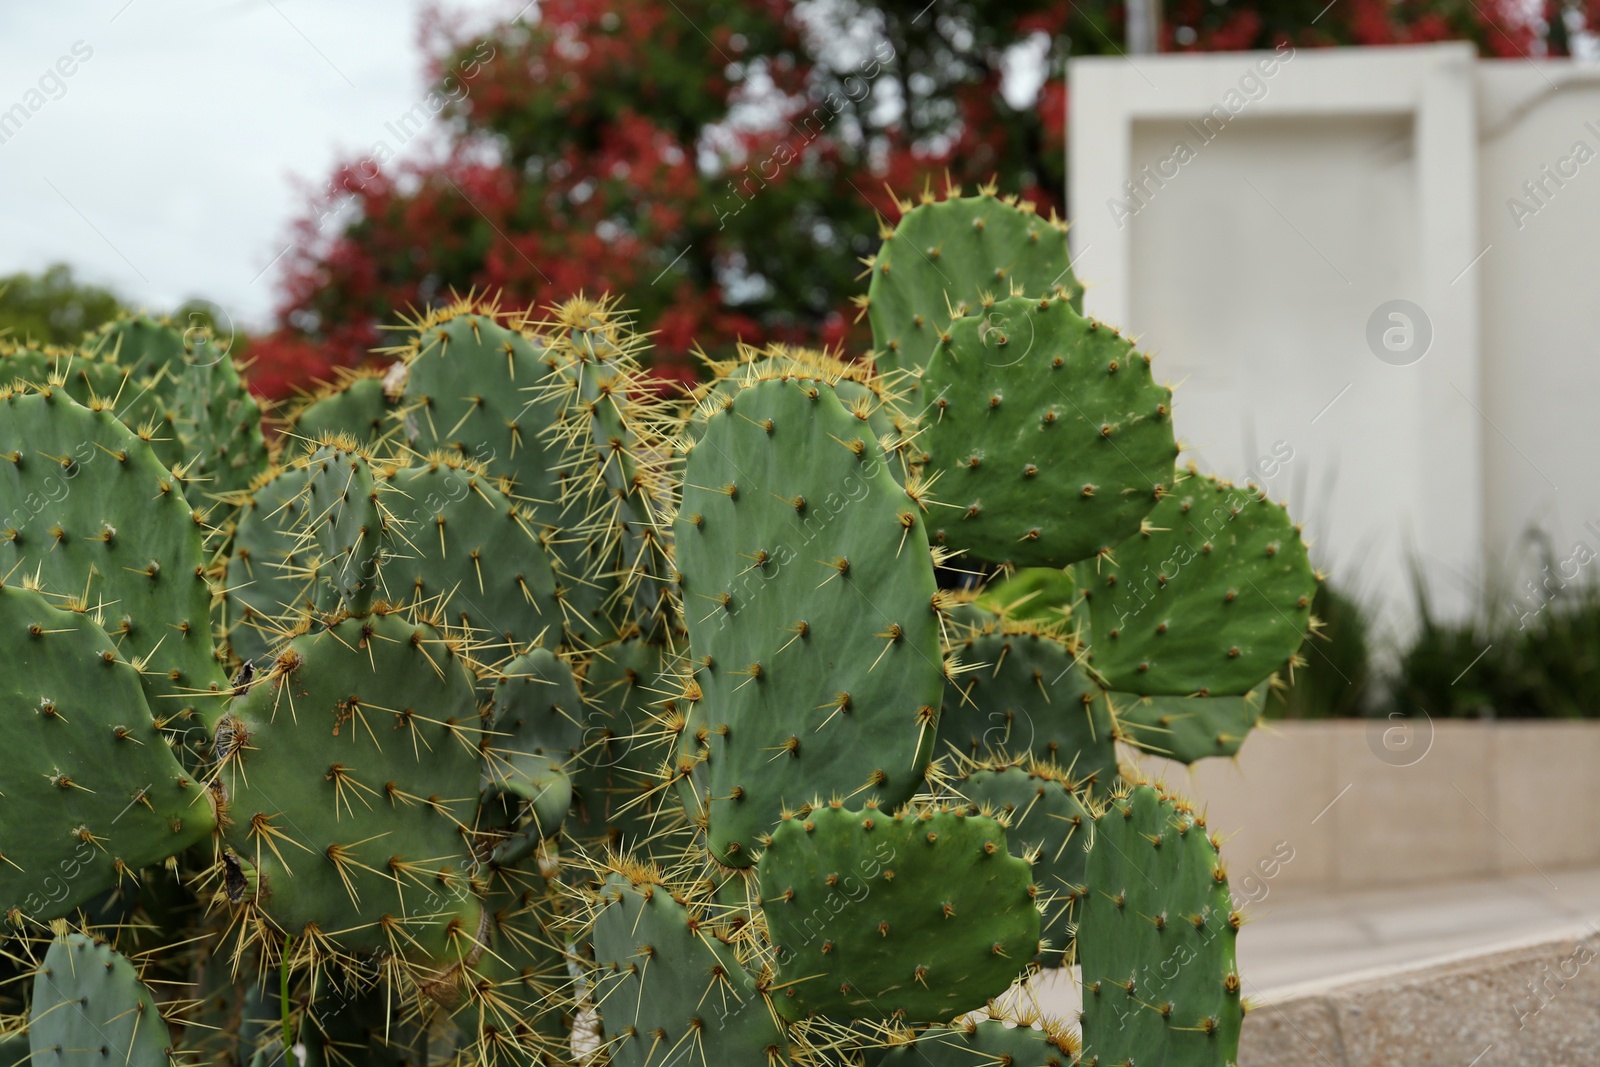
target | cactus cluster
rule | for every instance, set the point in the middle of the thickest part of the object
(510, 710)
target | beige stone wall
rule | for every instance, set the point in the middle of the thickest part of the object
(1364, 804)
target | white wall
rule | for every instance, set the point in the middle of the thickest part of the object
(1343, 179)
(1541, 308)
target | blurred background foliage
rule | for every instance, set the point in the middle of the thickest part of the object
(723, 163)
(52, 307)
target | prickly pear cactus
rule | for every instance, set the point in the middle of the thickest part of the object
(90, 1008)
(621, 772)
(351, 774)
(1046, 822)
(1156, 938)
(921, 914)
(94, 518)
(988, 1042)
(1187, 729)
(272, 578)
(1051, 435)
(87, 769)
(572, 717)
(471, 554)
(945, 255)
(216, 422)
(344, 518)
(1210, 597)
(799, 552)
(356, 403)
(1024, 691)
(669, 986)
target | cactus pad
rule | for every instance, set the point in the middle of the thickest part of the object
(1189, 728)
(1052, 438)
(90, 1009)
(1156, 936)
(670, 989)
(87, 771)
(1210, 598)
(470, 554)
(620, 774)
(1025, 693)
(863, 392)
(352, 771)
(921, 915)
(354, 404)
(521, 1005)
(945, 255)
(343, 516)
(93, 515)
(534, 737)
(217, 422)
(270, 581)
(472, 386)
(1046, 595)
(799, 553)
(1044, 817)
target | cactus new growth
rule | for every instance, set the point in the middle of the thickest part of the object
(511, 711)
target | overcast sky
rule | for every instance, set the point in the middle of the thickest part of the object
(165, 164)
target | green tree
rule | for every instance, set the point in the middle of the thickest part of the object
(53, 307)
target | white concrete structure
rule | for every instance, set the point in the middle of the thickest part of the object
(1253, 217)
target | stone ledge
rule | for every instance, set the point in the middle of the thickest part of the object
(1532, 1004)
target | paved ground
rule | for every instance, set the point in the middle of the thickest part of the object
(1295, 939)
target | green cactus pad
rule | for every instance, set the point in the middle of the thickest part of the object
(922, 915)
(1210, 598)
(521, 1007)
(90, 1009)
(470, 553)
(92, 515)
(221, 426)
(33, 366)
(88, 773)
(980, 1044)
(945, 256)
(1044, 817)
(1025, 693)
(610, 435)
(488, 392)
(342, 512)
(473, 386)
(352, 771)
(535, 734)
(217, 421)
(1189, 728)
(537, 712)
(1156, 937)
(270, 584)
(1047, 432)
(669, 986)
(809, 595)
(619, 778)
(355, 404)
(1046, 595)
(863, 392)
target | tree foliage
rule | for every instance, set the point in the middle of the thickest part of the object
(53, 307)
(721, 162)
